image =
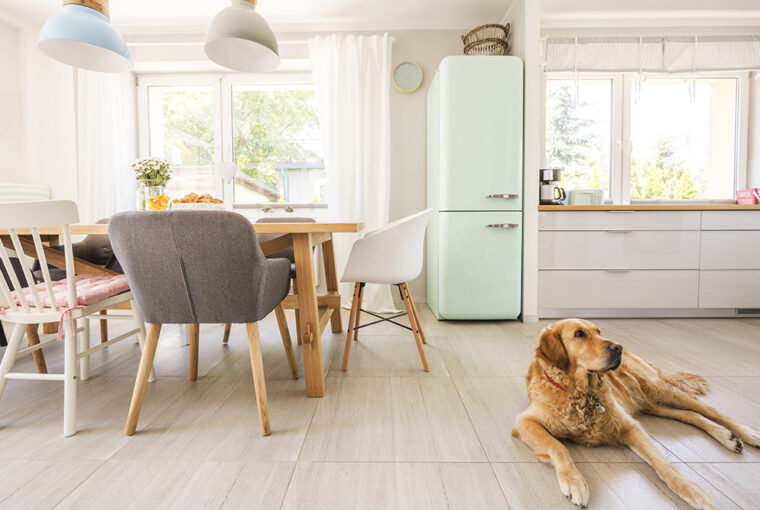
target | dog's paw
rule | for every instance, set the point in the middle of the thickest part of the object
(749, 435)
(573, 486)
(730, 441)
(696, 497)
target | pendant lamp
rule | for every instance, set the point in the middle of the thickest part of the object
(80, 35)
(240, 38)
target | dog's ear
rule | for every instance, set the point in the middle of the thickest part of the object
(551, 349)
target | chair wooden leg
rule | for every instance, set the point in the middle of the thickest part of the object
(282, 323)
(259, 383)
(417, 317)
(194, 337)
(33, 337)
(141, 382)
(417, 337)
(141, 336)
(351, 324)
(227, 328)
(9, 357)
(49, 327)
(69, 382)
(103, 328)
(358, 312)
(298, 315)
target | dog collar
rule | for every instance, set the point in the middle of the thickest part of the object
(555, 383)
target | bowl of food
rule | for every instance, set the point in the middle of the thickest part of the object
(195, 201)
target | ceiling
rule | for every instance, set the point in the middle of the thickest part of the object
(285, 15)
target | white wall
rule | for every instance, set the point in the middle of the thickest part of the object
(47, 113)
(524, 16)
(10, 106)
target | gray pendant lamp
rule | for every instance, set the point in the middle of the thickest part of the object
(80, 35)
(240, 38)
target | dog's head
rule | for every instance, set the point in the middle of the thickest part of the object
(578, 343)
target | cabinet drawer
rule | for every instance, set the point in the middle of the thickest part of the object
(729, 289)
(731, 220)
(629, 289)
(619, 250)
(618, 220)
(732, 249)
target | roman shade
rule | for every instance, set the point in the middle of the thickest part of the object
(660, 54)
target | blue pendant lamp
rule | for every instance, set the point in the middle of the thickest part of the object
(240, 38)
(80, 35)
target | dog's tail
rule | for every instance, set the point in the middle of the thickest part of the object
(690, 383)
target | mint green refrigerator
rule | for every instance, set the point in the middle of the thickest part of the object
(475, 186)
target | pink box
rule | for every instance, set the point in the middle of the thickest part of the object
(747, 196)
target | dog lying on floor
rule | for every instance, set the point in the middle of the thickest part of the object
(585, 388)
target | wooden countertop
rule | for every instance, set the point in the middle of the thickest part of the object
(651, 207)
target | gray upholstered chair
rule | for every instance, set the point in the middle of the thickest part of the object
(284, 253)
(198, 267)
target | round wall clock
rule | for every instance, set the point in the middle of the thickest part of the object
(407, 77)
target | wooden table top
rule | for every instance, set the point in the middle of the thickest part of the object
(261, 228)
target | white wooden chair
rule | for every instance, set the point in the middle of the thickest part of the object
(35, 307)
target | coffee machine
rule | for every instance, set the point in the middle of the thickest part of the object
(551, 192)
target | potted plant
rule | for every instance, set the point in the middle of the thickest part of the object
(267, 210)
(152, 175)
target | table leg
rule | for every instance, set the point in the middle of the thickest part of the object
(309, 316)
(331, 280)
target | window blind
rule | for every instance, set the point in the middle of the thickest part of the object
(676, 54)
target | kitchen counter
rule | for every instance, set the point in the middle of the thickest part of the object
(651, 207)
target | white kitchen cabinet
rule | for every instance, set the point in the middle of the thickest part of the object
(619, 249)
(730, 249)
(618, 289)
(619, 220)
(730, 220)
(649, 263)
(729, 289)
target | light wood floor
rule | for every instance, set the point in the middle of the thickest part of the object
(386, 435)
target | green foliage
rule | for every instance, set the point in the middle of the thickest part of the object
(189, 127)
(664, 177)
(269, 129)
(156, 170)
(571, 143)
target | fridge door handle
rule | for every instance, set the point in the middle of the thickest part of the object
(504, 195)
(503, 225)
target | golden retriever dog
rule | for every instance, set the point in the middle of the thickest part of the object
(586, 388)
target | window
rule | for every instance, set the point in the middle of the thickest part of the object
(578, 124)
(651, 138)
(268, 125)
(181, 120)
(277, 145)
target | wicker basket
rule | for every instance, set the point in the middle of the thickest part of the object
(485, 32)
(487, 47)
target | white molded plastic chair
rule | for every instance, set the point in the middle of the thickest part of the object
(31, 216)
(393, 255)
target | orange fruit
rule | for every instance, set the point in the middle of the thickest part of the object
(158, 203)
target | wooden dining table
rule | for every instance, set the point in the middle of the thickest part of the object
(315, 311)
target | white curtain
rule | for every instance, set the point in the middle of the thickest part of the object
(660, 54)
(352, 83)
(107, 143)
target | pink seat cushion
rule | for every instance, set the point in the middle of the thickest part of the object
(91, 288)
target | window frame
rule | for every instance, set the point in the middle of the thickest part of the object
(222, 84)
(620, 132)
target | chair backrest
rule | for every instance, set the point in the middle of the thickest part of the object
(286, 253)
(390, 254)
(14, 192)
(31, 216)
(190, 267)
